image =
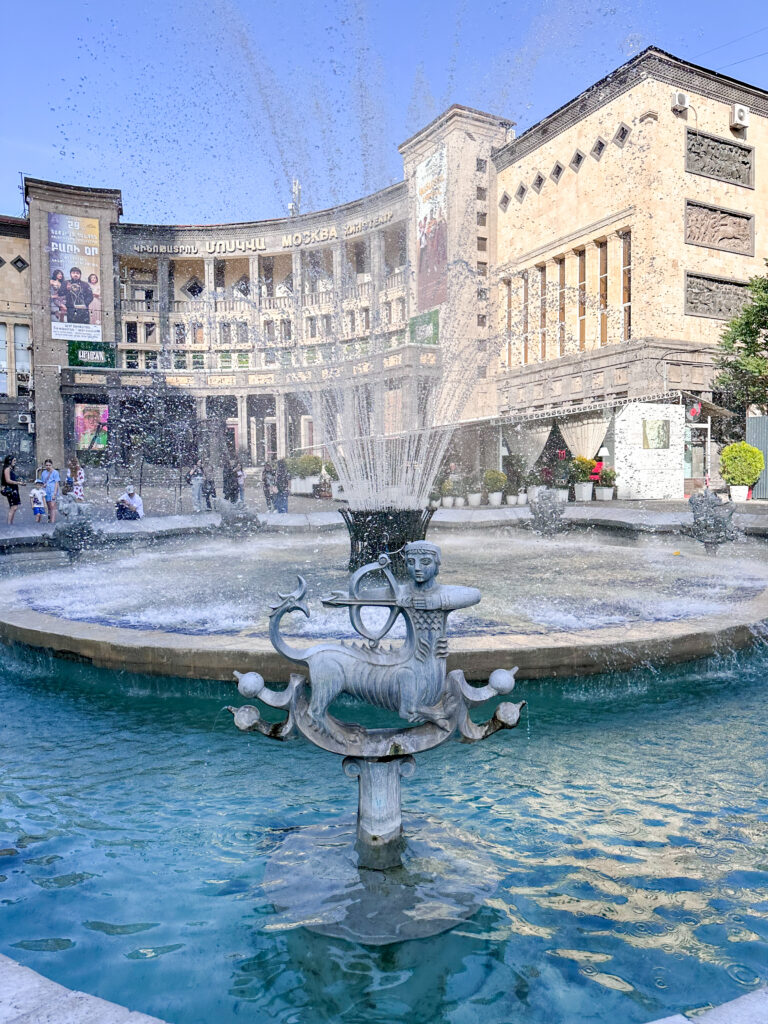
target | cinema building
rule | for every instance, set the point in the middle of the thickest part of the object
(602, 251)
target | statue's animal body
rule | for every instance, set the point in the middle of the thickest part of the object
(409, 680)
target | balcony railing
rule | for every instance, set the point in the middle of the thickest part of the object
(139, 306)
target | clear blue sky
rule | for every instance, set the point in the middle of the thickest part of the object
(203, 111)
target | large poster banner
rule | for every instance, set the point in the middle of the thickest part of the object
(73, 244)
(431, 182)
(91, 427)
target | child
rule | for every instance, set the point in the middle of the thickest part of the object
(37, 498)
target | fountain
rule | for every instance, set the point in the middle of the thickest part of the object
(547, 514)
(76, 535)
(434, 877)
(711, 520)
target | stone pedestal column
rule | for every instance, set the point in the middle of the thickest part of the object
(379, 815)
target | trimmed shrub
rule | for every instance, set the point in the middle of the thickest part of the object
(741, 464)
(304, 465)
(494, 481)
(607, 477)
(582, 469)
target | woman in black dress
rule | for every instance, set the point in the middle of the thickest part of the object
(10, 486)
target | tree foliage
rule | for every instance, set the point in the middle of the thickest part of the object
(742, 359)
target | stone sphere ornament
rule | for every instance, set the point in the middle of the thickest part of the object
(430, 876)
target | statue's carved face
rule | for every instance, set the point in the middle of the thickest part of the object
(422, 566)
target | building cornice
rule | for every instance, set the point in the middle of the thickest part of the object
(58, 192)
(651, 63)
(14, 227)
(457, 112)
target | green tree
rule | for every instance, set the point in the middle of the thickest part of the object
(742, 358)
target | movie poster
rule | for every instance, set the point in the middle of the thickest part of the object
(73, 244)
(91, 427)
(431, 180)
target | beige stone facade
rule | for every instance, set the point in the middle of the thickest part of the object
(590, 262)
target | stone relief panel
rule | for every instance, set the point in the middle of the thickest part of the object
(719, 158)
(714, 297)
(719, 229)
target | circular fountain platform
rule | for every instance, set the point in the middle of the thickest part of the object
(567, 606)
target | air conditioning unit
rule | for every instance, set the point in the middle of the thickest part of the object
(25, 418)
(739, 116)
(680, 101)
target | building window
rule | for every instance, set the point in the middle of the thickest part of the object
(198, 361)
(219, 269)
(582, 255)
(626, 284)
(193, 288)
(312, 326)
(270, 357)
(269, 330)
(400, 310)
(577, 160)
(131, 333)
(482, 372)
(198, 334)
(243, 285)
(557, 172)
(602, 249)
(225, 360)
(20, 264)
(310, 355)
(285, 330)
(285, 357)
(481, 165)
(225, 334)
(482, 269)
(131, 359)
(150, 360)
(242, 332)
(482, 294)
(482, 320)
(21, 352)
(524, 317)
(327, 324)
(520, 194)
(599, 148)
(351, 322)
(481, 193)
(243, 360)
(482, 244)
(366, 315)
(179, 334)
(386, 312)
(180, 360)
(482, 218)
(538, 183)
(542, 313)
(149, 333)
(622, 134)
(561, 305)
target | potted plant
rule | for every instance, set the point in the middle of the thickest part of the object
(605, 485)
(533, 485)
(447, 491)
(740, 466)
(582, 470)
(336, 488)
(474, 491)
(561, 481)
(494, 483)
(460, 496)
(514, 470)
(435, 497)
(305, 472)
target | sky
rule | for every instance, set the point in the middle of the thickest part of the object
(203, 111)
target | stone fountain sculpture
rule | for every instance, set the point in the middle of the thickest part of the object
(711, 520)
(547, 514)
(410, 679)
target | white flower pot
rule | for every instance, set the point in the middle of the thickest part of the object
(603, 493)
(304, 485)
(533, 492)
(562, 494)
(583, 491)
(474, 499)
(494, 498)
(511, 499)
(738, 493)
(522, 498)
(459, 502)
(434, 504)
(448, 502)
(336, 489)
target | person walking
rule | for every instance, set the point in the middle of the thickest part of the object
(229, 481)
(51, 480)
(283, 486)
(195, 480)
(268, 483)
(240, 474)
(209, 486)
(77, 476)
(10, 487)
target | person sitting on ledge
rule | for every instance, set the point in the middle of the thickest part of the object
(129, 505)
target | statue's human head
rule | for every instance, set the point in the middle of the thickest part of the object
(422, 560)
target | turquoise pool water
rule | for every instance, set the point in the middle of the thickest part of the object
(628, 815)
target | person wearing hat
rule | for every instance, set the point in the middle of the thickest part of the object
(37, 500)
(129, 505)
